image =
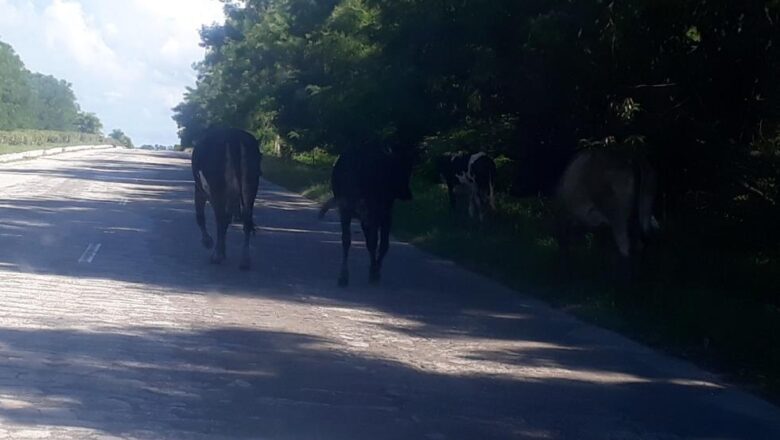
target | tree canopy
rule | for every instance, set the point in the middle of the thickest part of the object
(120, 136)
(693, 84)
(35, 101)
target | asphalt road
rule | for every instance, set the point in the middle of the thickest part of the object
(114, 325)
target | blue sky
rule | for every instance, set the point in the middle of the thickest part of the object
(129, 60)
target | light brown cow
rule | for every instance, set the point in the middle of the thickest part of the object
(603, 188)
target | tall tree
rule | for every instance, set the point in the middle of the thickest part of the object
(35, 101)
(54, 103)
(15, 94)
(88, 123)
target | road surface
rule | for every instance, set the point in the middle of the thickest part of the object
(114, 325)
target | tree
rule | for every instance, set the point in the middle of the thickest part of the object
(119, 136)
(690, 84)
(15, 94)
(35, 101)
(88, 123)
(54, 103)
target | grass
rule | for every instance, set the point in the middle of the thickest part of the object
(697, 299)
(17, 141)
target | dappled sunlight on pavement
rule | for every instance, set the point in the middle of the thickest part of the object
(141, 338)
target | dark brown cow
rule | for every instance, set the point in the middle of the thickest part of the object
(601, 188)
(226, 169)
(365, 184)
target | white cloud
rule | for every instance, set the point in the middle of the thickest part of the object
(183, 20)
(189, 14)
(114, 95)
(14, 13)
(172, 47)
(129, 61)
(170, 96)
(110, 29)
(67, 27)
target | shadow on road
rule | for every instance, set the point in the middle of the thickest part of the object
(557, 378)
(237, 383)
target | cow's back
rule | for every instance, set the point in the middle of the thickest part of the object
(596, 187)
(364, 174)
(226, 155)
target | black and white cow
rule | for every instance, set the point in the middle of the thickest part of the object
(475, 173)
(226, 169)
(600, 188)
(365, 184)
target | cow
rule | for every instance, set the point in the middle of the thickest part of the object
(226, 169)
(602, 188)
(365, 184)
(476, 173)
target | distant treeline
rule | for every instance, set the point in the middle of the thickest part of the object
(692, 84)
(32, 101)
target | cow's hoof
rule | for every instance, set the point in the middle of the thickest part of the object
(217, 259)
(207, 242)
(374, 277)
(343, 282)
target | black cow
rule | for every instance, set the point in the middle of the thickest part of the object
(226, 169)
(365, 184)
(476, 173)
(604, 188)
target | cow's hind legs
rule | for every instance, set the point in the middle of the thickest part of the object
(384, 243)
(223, 221)
(371, 233)
(200, 217)
(246, 259)
(249, 228)
(346, 242)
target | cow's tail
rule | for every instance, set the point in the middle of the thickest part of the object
(233, 181)
(327, 206)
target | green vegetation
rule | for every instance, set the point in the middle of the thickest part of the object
(40, 111)
(120, 137)
(32, 101)
(25, 140)
(88, 123)
(714, 320)
(691, 85)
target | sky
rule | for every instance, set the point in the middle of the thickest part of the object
(129, 61)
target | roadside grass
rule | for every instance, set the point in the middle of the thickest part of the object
(701, 300)
(17, 141)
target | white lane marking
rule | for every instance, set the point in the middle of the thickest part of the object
(90, 253)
